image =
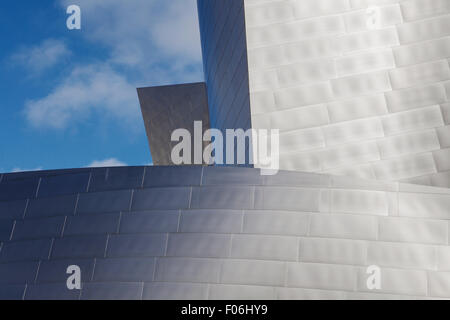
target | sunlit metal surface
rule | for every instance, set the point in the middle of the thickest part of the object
(219, 233)
(358, 87)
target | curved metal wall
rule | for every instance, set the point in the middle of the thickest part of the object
(219, 233)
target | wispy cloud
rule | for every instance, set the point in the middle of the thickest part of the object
(16, 170)
(144, 32)
(41, 57)
(113, 162)
(86, 89)
(150, 42)
(177, 32)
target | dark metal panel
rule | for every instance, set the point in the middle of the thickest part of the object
(26, 250)
(103, 202)
(92, 224)
(38, 228)
(105, 179)
(79, 247)
(56, 270)
(52, 291)
(172, 176)
(64, 184)
(222, 25)
(18, 189)
(6, 227)
(47, 207)
(161, 198)
(12, 209)
(231, 175)
(12, 292)
(18, 272)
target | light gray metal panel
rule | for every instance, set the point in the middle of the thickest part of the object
(317, 65)
(168, 108)
(124, 270)
(231, 176)
(145, 245)
(188, 270)
(265, 247)
(222, 197)
(241, 292)
(150, 221)
(211, 221)
(291, 178)
(175, 291)
(253, 272)
(285, 198)
(199, 245)
(275, 222)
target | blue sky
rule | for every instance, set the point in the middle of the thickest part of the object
(68, 98)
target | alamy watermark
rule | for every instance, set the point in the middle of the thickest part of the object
(262, 150)
(74, 280)
(374, 279)
(73, 22)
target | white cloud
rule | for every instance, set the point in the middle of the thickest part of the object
(177, 32)
(140, 32)
(16, 170)
(151, 42)
(86, 89)
(41, 57)
(107, 163)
